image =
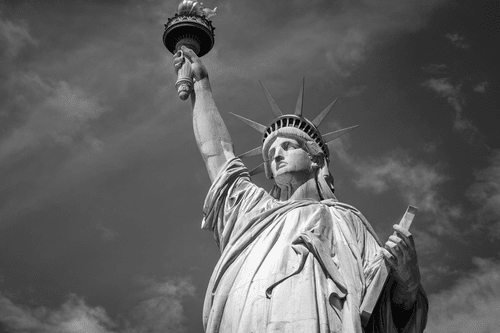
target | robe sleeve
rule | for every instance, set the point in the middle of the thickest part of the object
(386, 315)
(231, 195)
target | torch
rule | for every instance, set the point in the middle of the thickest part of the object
(189, 27)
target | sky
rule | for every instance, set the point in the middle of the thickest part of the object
(102, 185)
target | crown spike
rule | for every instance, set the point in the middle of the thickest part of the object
(277, 112)
(319, 119)
(334, 135)
(300, 100)
(253, 152)
(257, 170)
(259, 127)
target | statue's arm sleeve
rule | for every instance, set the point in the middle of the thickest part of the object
(231, 196)
(386, 317)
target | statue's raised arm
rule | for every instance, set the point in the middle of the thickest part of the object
(211, 134)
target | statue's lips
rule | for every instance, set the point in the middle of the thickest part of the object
(279, 165)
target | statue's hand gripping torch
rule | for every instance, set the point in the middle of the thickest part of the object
(190, 27)
(184, 83)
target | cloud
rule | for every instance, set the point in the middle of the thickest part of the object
(14, 37)
(432, 271)
(471, 305)
(106, 234)
(338, 35)
(454, 96)
(417, 182)
(435, 68)
(159, 311)
(162, 310)
(485, 193)
(60, 110)
(57, 113)
(457, 40)
(444, 88)
(481, 87)
(73, 316)
(355, 91)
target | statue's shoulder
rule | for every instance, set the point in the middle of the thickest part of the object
(343, 207)
(347, 209)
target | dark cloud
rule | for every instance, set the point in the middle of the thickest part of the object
(485, 192)
(481, 87)
(436, 68)
(159, 311)
(458, 41)
(471, 305)
(456, 98)
(417, 183)
(14, 36)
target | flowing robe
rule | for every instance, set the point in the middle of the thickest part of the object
(294, 266)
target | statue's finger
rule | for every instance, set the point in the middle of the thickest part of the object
(400, 242)
(189, 53)
(402, 231)
(405, 235)
(393, 249)
(404, 252)
(389, 257)
(390, 244)
(178, 61)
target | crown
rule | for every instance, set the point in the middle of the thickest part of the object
(291, 123)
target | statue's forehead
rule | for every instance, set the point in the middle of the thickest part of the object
(283, 138)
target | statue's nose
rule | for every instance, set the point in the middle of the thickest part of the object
(278, 157)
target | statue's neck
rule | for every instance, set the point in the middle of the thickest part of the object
(299, 190)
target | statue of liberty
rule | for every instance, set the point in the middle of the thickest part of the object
(294, 259)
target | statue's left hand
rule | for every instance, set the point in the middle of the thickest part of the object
(401, 255)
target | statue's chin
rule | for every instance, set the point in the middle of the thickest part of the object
(287, 180)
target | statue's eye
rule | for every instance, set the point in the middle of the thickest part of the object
(290, 146)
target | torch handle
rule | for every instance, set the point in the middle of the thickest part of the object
(184, 83)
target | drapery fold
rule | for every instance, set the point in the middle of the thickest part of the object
(295, 266)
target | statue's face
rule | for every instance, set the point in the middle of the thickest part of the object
(289, 160)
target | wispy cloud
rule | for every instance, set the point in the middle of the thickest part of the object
(55, 113)
(436, 68)
(481, 87)
(159, 311)
(471, 305)
(433, 271)
(73, 316)
(107, 234)
(62, 112)
(458, 41)
(342, 42)
(485, 193)
(443, 87)
(418, 183)
(14, 36)
(454, 96)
